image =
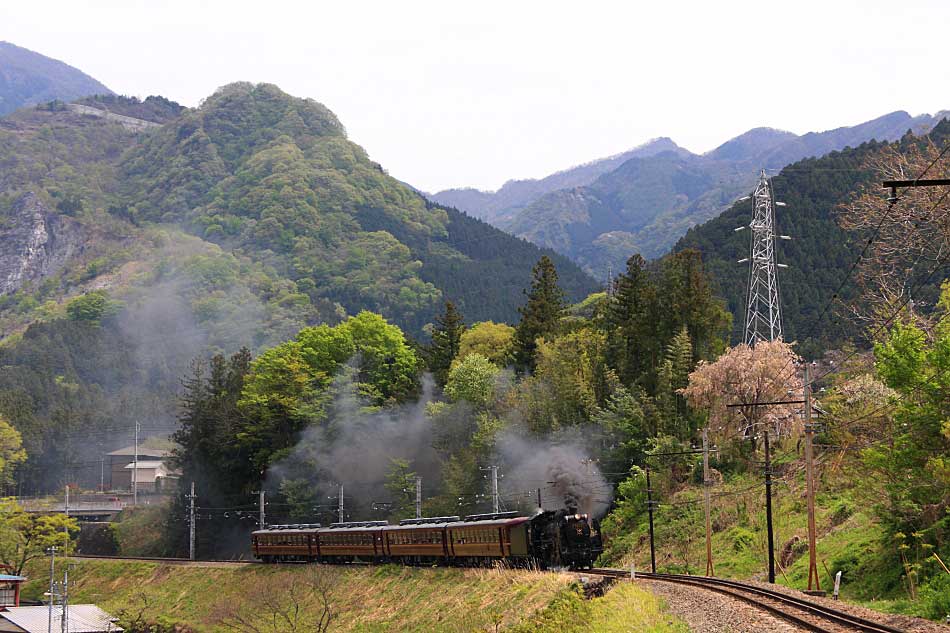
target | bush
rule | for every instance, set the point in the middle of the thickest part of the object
(742, 539)
(92, 306)
(935, 597)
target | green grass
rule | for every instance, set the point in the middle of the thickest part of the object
(384, 598)
(849, 540)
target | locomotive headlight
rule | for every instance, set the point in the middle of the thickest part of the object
(577, 517)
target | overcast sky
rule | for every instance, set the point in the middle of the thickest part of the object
(448, 94)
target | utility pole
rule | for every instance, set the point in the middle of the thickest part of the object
(191, 523)
(768, 508)
(650, 510)
(52, 586)
(64, 599)
(810, 487)
(418, 497)
(135, 467)
(495, 500)
(706, 484)
(340, 504)
(66, 525)
(494, 489)
(763, 320)
(260, 509)
(539, 500)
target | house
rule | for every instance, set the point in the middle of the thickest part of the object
(151, 475)
(10, 590)
(80, 618)
(120, 477)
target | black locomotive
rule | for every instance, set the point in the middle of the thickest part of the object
(561, 538)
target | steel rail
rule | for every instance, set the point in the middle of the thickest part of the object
(742, 590)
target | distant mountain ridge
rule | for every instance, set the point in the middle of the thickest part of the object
(647, 202)
(28, 78)
(498, 207)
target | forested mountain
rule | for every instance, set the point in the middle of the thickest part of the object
(820, 253)
(499, 207)
(644, 204)
(125, 254)
(28, 78)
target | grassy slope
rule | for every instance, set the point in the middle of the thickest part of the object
(386, 598)
(849, 538)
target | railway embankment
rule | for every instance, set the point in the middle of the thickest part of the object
(212, 598)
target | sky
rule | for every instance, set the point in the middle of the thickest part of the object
(451, 94)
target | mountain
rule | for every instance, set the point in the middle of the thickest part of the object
(28, 78)
(130, 246)
(820, 252)
(648, 202)
(258, 175)
(498, 207)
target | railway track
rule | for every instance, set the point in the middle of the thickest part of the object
(804, 613)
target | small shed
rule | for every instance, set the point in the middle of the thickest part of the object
(120, 477)
(10, 590)
(151, 475)
(80, 618)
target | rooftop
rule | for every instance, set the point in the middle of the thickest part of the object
(129, 451)
(145, 465)
(81, 618)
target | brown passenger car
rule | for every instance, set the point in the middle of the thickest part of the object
(441, 539)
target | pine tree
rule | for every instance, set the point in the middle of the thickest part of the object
(541, 315)
(446, 338)
(630, 322)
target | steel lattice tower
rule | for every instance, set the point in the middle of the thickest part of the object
(763, 321)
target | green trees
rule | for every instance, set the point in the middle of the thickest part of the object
(494, 341)
(917, 367)
(211, 451)
(540, 316)
(446, 341)
(24, 537)
(11, 452)
(472, 379)
(92, 306)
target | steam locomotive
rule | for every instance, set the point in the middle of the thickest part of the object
(560, 538)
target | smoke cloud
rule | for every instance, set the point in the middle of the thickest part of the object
(560, 466)
(356, 447)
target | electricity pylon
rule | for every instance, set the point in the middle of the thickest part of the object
(763, 321)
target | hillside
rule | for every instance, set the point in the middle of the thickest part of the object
(28, 78)
(232, 225)
(818, 256)
(645, 204)
(213, 598)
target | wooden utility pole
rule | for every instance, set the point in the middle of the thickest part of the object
(706, 484)
(768, 507)
(810, 488)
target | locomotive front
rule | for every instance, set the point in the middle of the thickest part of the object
(564, 538)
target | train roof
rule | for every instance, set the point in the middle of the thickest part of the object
(289, 528)
(453, 522)
(509, 521)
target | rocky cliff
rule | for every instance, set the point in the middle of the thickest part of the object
(34, 243)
